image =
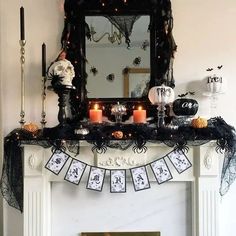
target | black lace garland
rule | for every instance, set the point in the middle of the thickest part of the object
(101, 138)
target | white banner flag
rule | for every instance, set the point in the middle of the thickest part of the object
(118, 181)
(75, 171)
(179, 160)
(96, 178)
(140, 178)
(161, 171)
(57, 161)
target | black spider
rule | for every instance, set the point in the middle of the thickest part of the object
(221, 146)
(93, 70)
(182, 146)
(99, 146)
(137, 61)
(56, 80)
(139, 146)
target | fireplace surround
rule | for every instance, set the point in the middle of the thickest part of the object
(203, 178)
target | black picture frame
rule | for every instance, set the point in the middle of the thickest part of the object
(162, 45)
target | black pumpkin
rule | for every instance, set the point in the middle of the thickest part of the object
(185, 107)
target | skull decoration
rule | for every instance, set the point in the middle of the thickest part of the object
(161, 95)
(61, 72)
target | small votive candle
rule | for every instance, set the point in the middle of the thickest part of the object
(95, 114)
(139, 115)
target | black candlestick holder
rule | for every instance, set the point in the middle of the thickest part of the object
(63, 92)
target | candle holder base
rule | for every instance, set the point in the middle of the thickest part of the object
(63, 92)
(161, 115)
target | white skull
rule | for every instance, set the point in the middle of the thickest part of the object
(64, 69)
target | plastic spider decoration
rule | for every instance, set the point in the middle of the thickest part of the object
(145, 44)
(222, 146)
(99, 146)
(139, 146)
(110, 77)
(137, 61)
(182, 146)
(56, 80)
(93, 70)
(59, 146)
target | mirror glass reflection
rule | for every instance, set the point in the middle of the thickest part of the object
(108, 55)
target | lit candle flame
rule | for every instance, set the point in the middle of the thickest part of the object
(96, 107)
(140, 108)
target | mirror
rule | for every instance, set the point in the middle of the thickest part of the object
(108, 53)
(136, 82)
(124, 14)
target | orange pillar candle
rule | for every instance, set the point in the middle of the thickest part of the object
(139, 115)
(95, 114)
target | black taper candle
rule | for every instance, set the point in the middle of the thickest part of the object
(43, 59)
(22, 24)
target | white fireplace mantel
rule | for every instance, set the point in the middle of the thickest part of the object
(203, 177)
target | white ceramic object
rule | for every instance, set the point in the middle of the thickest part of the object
(214, 84)
(64, 69)
(161, 95)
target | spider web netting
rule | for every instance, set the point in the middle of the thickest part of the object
(124, 24)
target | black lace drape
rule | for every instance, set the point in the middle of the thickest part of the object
(11, 183)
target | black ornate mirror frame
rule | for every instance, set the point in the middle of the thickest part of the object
(162, 45)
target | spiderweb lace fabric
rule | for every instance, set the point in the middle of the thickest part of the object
(11, 183)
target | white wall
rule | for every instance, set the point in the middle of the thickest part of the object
(1, 199)
(204, 32)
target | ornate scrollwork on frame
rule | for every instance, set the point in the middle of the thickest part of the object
(33, 162)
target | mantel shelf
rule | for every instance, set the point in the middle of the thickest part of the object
(102, 137)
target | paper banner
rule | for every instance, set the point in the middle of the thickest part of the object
(118, 181)
(57, 161)
(140, 178)
(96, 178)
(75, 171)
(161, 171)
(179, 160)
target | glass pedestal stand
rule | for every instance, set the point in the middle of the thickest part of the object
(63, 92)
(161, 115)
(214, 104)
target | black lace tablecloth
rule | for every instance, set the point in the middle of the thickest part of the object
(102, 137)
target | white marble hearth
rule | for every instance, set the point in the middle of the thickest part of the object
(185, 206)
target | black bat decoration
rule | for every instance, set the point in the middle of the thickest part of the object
(209, 69)
(183, 95)
(219, 67)
(192, 93)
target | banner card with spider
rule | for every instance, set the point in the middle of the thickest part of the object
(57, 161)
(140, 178)
(96, 178)
(75, 171)
(179, 160)
(118, 181)
(161, 171)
